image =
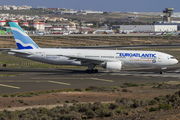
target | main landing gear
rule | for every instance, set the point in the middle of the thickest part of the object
(90, 69)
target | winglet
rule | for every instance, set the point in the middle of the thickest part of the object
(23, 41)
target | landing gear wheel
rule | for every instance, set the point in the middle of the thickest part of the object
(96, 71)
(161, 72)
(91, 71)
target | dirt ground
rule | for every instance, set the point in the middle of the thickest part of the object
(58, 99)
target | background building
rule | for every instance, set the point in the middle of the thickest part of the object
(147, 28)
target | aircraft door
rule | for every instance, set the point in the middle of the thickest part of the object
(43, 55)
(159, 58)
(78, 54)
(131, 59)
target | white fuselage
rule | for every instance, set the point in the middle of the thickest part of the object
(126, 57)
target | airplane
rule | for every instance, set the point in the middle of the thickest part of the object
(171, 33)
(112, 60)
(127, 31)
(104, 31)
(40, 33)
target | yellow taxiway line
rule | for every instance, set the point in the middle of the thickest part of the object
(76, 79)
(9, 86)
(102, 80)
(59, 83)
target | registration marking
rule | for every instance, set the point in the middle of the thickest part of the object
(9, 86)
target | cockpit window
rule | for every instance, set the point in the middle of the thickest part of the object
(172, 58)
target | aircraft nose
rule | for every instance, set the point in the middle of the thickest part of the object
(176, 61)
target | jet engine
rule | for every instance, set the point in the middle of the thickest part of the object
(113, 66)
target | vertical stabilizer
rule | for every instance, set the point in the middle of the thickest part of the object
(23, 41)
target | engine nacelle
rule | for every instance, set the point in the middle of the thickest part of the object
(113, 66)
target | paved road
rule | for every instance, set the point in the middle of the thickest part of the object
(24, 80)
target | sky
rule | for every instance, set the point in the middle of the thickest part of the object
(101, 5)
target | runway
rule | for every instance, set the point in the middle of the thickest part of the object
(13, 80)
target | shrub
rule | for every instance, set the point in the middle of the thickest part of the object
(136, 104)
(125, 101)
(88, 89)
(71, 116)
(152, 109)
(5, 95)
(97, 106)
(26, 103)
(21, 101)
(90, 113)
(119, 110)
(44, 118)
(64, 111)
(12, 95)
(83, 108)
(65, 105)
(74, 101)
(97, 103)
(144, 102)
(93, 87)
(174, 98)
(73, 108)
(78, 89)
(104, 113)
(165, 106)
(123, 86)
(125, 90)
(131, 84)
(153, 102)
(113, 106)
(161, 99)
(67, 101)
(43, 110)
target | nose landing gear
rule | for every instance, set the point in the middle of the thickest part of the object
(162, 69)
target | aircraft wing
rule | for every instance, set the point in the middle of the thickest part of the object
(90, 60)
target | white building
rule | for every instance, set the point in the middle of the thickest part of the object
(39, 26)
(162, 28)
(70, 28)
(155, 28)
(2, 22)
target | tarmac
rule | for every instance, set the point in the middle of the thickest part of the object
(13, 80)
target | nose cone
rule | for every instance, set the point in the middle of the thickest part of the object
(175, 61)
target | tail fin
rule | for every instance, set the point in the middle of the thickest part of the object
(23, 41)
